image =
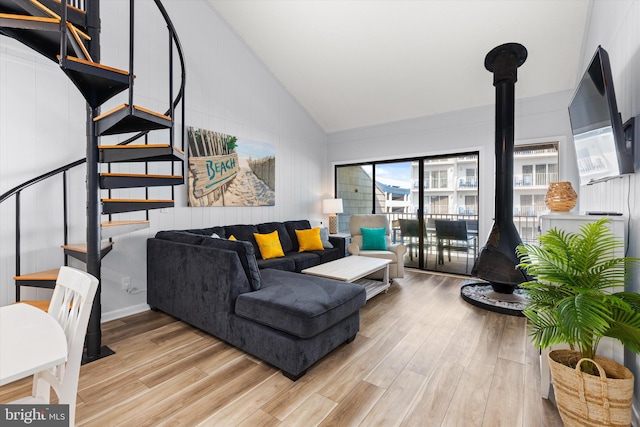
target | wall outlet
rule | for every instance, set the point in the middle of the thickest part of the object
(126, 283)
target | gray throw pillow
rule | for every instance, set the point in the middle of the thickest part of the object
(324, 236)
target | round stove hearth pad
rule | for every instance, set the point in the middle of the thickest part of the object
(481, 294)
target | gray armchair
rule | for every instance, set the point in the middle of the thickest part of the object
(394, 252)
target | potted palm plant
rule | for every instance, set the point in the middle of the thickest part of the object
(577, 297)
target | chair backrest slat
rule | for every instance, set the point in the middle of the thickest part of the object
(71, 305)
(453, 230)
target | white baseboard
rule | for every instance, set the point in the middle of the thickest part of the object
(635, 417)
(124, 312)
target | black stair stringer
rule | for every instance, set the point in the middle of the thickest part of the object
(140, 153)
(114, 180)
(128, 118)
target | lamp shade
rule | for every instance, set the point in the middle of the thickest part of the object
(332, 206)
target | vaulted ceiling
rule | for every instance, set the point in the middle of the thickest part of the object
(355, 63)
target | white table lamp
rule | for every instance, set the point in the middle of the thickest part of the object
(332, 207)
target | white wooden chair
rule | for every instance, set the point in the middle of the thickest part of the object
(71, 306)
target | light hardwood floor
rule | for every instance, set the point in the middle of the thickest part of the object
(423, 357)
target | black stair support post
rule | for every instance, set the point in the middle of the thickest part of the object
(131, 56)
(63, 31)
(94, 332)
(93, 341)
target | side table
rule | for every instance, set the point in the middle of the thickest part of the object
(346, 238)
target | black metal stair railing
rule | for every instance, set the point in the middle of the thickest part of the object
(179, 99)
(173, 103)
(17, 190)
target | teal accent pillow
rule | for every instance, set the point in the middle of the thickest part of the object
(373, 239)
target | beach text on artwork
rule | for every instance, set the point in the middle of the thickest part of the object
(212, 172)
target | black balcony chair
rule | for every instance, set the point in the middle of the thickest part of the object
(410, 236)
(453, 236)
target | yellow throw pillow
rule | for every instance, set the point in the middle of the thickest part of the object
(269, 245)
(309, 240)
(232, 237)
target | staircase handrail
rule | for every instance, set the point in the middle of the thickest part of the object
(42, 177)
(17, 191)
(183, 76)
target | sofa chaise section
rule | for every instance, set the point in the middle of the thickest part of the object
(287, 319)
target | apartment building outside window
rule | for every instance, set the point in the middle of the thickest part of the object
(535, 166)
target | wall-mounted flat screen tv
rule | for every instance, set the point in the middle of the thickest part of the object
(601, 149)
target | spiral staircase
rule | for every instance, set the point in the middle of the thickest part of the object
(68, 32)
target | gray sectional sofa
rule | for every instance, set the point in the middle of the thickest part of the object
(264, 307)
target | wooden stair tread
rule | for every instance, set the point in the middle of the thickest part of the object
(95, 64)
(82, 247)
(119, 223)
(44, 29)
(117, 228)
(110, 112)
(47, 275)
(30, 18)
(135, 107)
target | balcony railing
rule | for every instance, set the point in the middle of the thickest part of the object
(536, 152)
(468, 182)
(534, 179)
(527, 225)
(529, 210)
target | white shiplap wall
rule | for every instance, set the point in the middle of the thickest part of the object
(614, 26)
(228, 90)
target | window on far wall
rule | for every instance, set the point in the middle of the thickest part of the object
(439, 179)
(438, 204)
(471, 205)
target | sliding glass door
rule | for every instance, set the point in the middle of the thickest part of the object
(451, 213)
(413, 194)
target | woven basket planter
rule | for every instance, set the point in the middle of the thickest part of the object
(589, 400)
(561, 197)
